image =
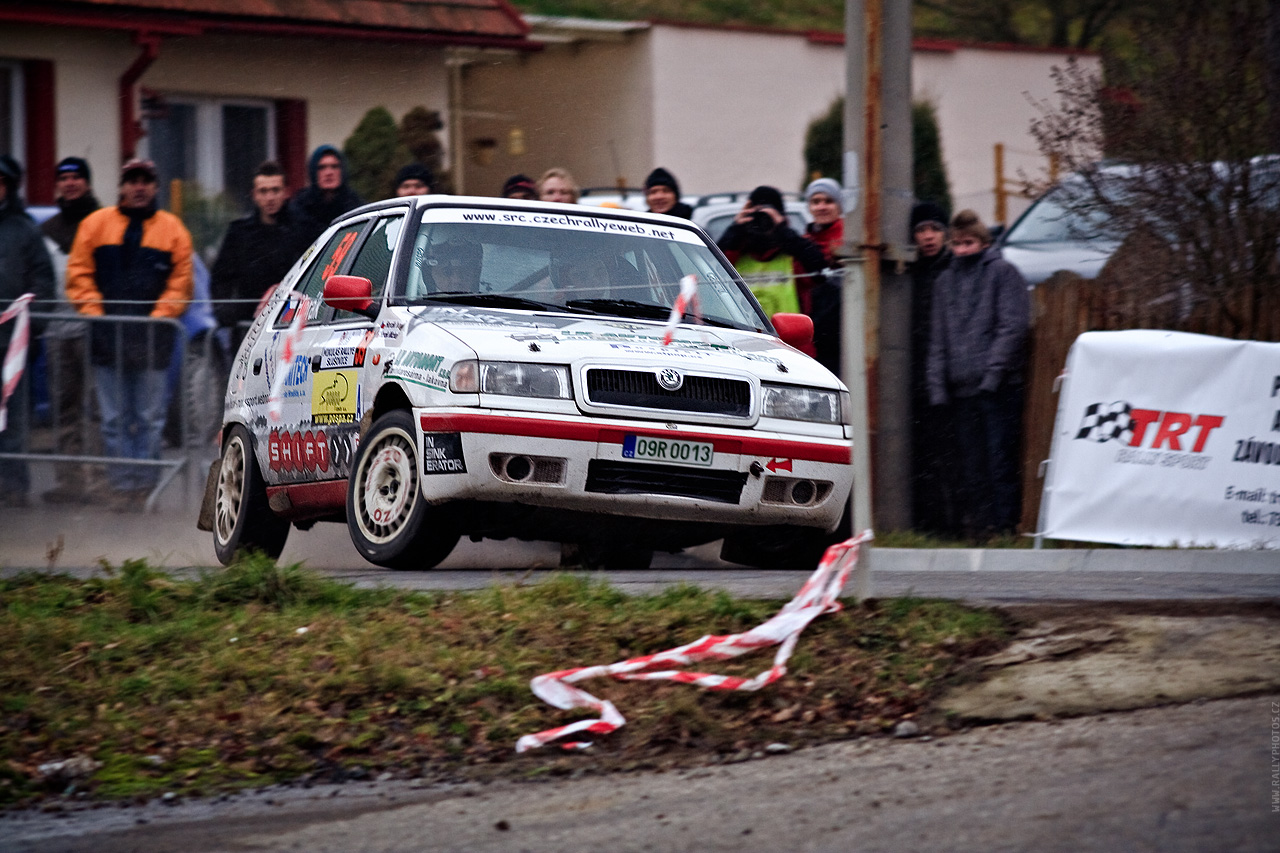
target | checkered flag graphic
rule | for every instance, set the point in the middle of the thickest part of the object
(1107, 421)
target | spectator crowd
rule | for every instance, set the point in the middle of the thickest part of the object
(111, 277)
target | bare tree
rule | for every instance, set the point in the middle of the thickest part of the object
(1190, 182)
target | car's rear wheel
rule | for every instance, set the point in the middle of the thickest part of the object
(242, 519)
(390, 522)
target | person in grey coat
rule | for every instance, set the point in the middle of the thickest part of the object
(980, 317)
(24, 268)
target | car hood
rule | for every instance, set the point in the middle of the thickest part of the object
(568, 339)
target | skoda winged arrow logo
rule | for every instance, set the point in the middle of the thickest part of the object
(670, 379)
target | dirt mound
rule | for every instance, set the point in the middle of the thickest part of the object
(1086, 658)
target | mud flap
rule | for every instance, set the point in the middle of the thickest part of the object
(205, 521)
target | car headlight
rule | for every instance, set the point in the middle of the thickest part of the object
(511, 378)
(795, 403)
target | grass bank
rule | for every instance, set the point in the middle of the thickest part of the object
(262, 673)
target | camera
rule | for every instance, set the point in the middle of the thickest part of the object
(761, 221)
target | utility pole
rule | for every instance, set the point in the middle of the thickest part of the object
(876, 310)
(855, 286)
(897, 195)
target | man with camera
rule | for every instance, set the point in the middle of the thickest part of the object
(782, 268)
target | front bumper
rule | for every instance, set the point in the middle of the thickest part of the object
(578, 465)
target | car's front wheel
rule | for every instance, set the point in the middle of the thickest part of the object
(241, 517)
(391, 524)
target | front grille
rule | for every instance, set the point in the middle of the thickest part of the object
(709, 395)
(631, 478)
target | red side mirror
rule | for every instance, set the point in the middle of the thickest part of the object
(348, 293)
(794, 329)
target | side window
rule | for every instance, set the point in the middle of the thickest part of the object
(374, 259)
(328, 262)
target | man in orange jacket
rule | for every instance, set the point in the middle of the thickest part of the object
(131, 260)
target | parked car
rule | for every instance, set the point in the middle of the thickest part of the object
(714, 213)
(631, 198)
(1047, 237)
(497, 368)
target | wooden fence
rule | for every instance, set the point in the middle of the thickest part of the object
(1066, 305)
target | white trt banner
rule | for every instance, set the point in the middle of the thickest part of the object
(1166, 438)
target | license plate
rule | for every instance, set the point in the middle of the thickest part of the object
(670, 451)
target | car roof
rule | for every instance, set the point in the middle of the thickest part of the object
(441, 200)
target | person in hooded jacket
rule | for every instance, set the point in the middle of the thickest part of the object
(24, 268)
(326, 197)
(979, 321)
(782, 268)
(662, 194)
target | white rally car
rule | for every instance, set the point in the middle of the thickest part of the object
(491, 368)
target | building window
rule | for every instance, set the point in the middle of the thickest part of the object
(216, 143)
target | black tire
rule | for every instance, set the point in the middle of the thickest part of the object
(241, 517)
(389, 520)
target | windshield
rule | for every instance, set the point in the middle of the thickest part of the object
(1048, 221)
(581, 264)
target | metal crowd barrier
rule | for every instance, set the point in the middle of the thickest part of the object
(62, 405)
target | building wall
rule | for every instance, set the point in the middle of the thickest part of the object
(339, 81)
(984, 97)
(731, 108)
(87, 108)
(585, 107)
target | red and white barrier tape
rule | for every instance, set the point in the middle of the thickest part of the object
(686, 300)
(820, 594)
(292, 338)
(15, 358)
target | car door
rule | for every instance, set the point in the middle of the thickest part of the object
(296, 450)
(334, 351)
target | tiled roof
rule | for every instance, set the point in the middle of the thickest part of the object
(487, 19)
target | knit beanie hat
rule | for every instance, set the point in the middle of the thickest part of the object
(927, 211)
(968, 224)
(415, 172)
(660, 177)
(828, 187)
(519, 183)
(73, 165)
(767, 196)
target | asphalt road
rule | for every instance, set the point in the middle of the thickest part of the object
(1191, 777)
(78, 540)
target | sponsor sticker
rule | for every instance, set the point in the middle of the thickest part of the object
(442, 453)
(565, 221)
(421, 368)
(346, 349)
(335, 397)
